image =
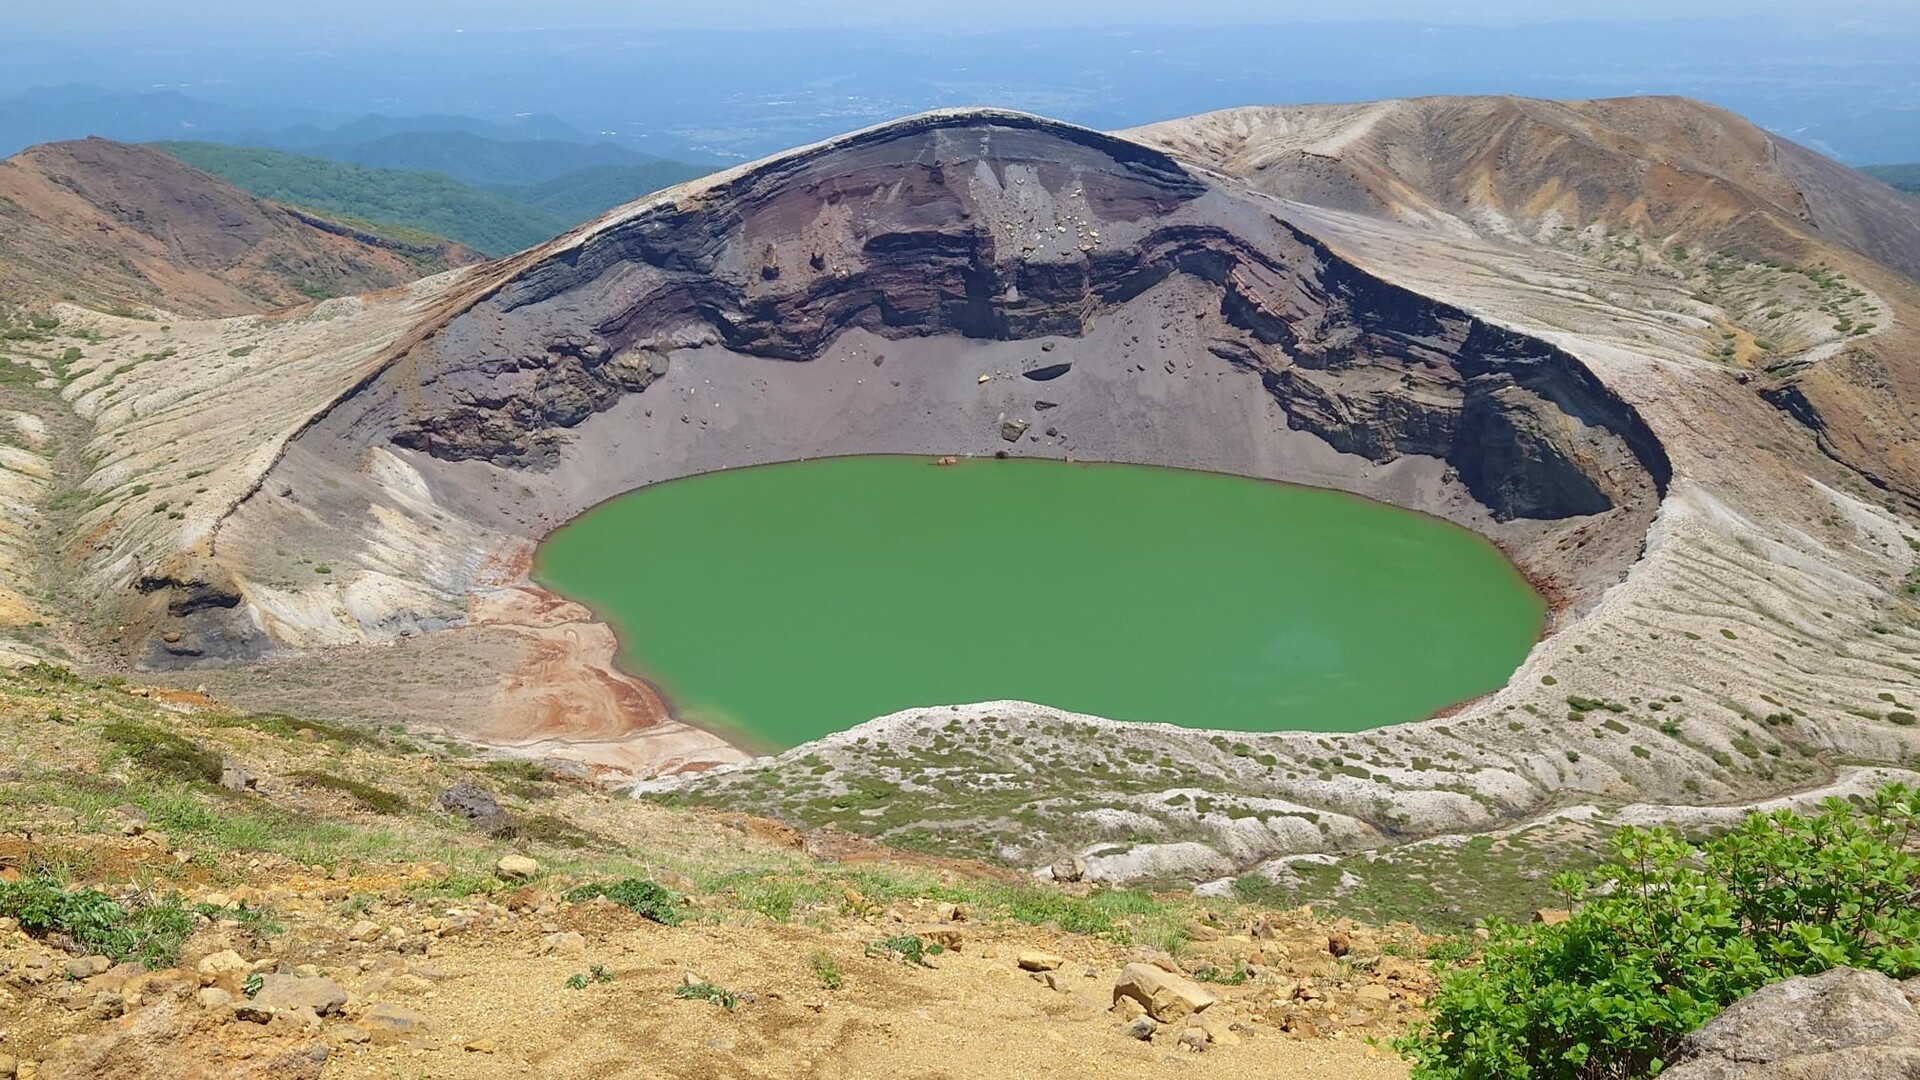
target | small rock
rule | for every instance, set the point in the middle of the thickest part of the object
(212, 997)
(1374, 994)
(1552, 916)
(1011, 430)
(1070, 869)
(288, 992)
(516, 867)
(479, 1046)
(9, 1067)
(86, 967)
(235, 777)
(563, 943)
(1339, 944)
(1035, 960)
(364, 930)
(1193, 1040)
(1142, 1028)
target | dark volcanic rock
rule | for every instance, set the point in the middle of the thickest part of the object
(479, 808)
(999, 226)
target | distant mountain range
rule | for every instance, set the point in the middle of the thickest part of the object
(1904, 177)
(494, 218)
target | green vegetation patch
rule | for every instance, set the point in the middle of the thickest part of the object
(1667, 934)
(378, 800)
(423, 206)
(163, 753)
(150, 932)
(646, 898)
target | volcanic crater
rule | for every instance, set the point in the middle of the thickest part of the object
(976, 283)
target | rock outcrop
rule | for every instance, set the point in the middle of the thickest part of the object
(1845, 1024)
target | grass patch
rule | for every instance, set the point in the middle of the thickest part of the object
(163, 753)
(378, 800)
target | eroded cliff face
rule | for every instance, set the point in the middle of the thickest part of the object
(1008, 228)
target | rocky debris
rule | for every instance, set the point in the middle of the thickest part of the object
(284, 993)
(478, 807)
(86, 967)
(1070, 868)
(1012, 429)
(1845, 1024)
(1035, 960)
(387, 1023)
(1166, 996)
(516, 867)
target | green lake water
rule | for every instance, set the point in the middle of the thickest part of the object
(778, 604)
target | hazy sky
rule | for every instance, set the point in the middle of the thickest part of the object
(373, 16)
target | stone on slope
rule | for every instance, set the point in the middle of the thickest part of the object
(284, 993)
(1845, 1024)
(1167, 997)
(478, 807)
(1036, 960)
(516, 867)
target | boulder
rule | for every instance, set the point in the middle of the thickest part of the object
(1167, 997)
(516, 867)
(478, 807)
(225, 962)
(1070, 868)
(284, 993)
(1844, 1024)
(1035, 960)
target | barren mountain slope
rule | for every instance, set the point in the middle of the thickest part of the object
(1668, 189)
(105, 223)
(347, 498)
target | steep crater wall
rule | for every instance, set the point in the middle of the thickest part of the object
(1041, 247)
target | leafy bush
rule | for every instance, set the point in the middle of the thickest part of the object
(150, 933)
(635, 894)
(1668, 934)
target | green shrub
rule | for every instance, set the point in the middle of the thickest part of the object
(635, 894)
(1668, 934)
